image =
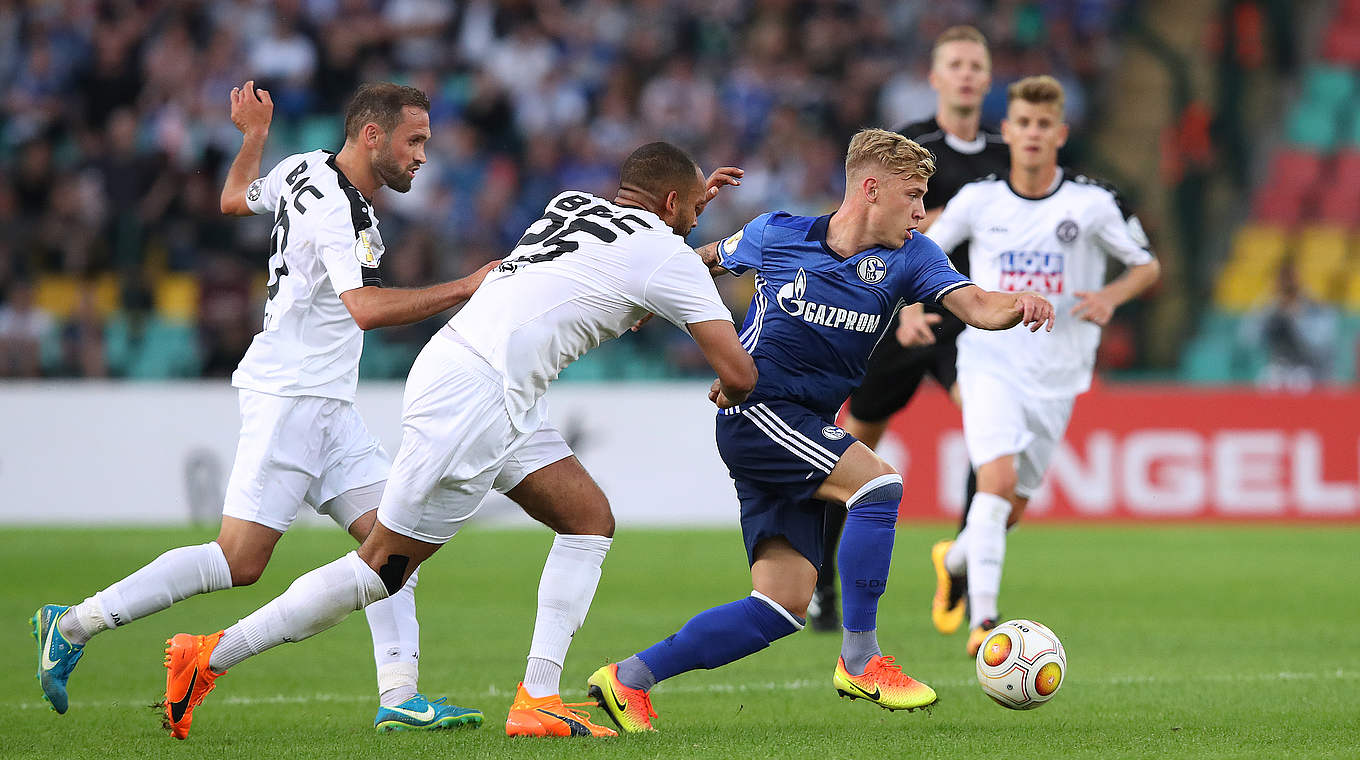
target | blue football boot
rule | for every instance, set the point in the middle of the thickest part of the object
(421, 714)
(57, 657)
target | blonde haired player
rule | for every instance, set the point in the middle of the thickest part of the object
(1045, 229)
(826, 288)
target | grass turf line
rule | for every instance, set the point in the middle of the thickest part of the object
(1182, 642)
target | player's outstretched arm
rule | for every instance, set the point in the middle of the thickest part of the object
(1099, 306)
(994, 310)
(251, 111)
(709, 255)
(372, 306)
(736, 370)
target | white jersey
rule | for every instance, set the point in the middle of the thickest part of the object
(1054, 245)
(581, 275)
(325, 242)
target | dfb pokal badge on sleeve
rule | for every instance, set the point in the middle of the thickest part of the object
(368, 248)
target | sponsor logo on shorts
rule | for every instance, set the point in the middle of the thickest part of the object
(1032, 270)
(832, 433)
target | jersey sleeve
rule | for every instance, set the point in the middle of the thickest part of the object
(351, 256)
(954, 225)
(932, 277)
(262, 196)
(682, 292)
(1121, 235)
(742, 251)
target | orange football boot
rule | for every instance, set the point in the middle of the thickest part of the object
(550, 716)
(188, 678)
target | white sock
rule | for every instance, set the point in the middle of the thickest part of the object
(956, 559)
(172, 577)
(986, 528)
(316, 601)
(565, 591)
(396, 643)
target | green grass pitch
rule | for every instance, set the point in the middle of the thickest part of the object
(1182, 642)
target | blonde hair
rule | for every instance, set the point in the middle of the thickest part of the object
(889, 150)
(961, 33)
(1041, 90)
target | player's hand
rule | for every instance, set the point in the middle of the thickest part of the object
(715, 395)
(723, 175)
(474, 280)
(638, 324)
(251, 109)
(1093, 307)
(914, 326)
(1035, 311)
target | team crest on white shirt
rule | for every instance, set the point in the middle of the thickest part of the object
(1067, 231)
(253, 192)
(872, 269)
(368, 248)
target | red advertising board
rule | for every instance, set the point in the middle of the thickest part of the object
(1159, 453)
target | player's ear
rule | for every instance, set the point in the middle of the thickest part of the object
(870, 186)
(371, 134)
(672, 202)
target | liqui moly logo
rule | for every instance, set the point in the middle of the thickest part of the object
(1032, 270)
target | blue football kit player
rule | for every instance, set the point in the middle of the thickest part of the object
(826, 288)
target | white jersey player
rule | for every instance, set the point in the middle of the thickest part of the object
(473, 415)
(302, 441)
(1039, 229)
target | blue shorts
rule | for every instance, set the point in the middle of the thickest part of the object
(778, 454)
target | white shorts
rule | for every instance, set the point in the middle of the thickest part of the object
(296, 449)
(457, 442)
(1000, 419)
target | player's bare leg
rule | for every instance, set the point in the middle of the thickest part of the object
(564, 497)
(981, 548)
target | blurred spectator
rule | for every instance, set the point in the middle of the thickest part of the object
(83, 352)
(115, 125)
(1295, 334)
(23, 329)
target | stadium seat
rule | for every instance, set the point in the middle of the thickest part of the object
(176, 297)
(1315, 126)
(1260, 245)
(57, 294)
(1321, 261)
(1330, 86)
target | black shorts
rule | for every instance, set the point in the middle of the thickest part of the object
(894, 373)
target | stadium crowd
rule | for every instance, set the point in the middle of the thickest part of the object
(114, 121)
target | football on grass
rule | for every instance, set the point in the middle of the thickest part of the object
(1021, 664)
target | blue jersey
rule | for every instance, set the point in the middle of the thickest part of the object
(815, 317)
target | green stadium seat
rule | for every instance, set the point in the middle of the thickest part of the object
(321, 131)
(1313, 126)
(161, 349)
(1328, 86)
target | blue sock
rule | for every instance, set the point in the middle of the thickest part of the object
(718, 636)
(866, 551)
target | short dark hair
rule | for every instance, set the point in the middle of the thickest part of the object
(658, 168)
(381, 103)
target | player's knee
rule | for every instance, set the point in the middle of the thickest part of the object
(885, 488)
(247, 569)
(594, 518)
(998, 480)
